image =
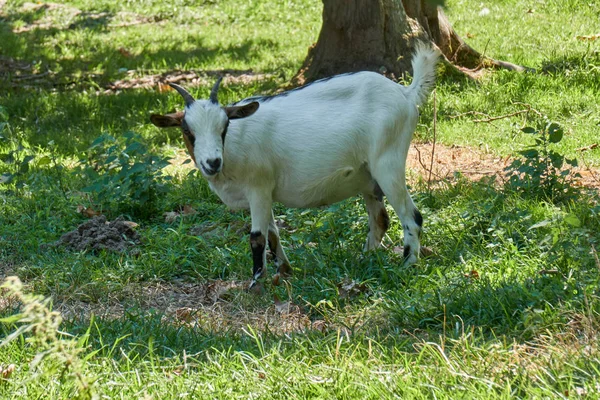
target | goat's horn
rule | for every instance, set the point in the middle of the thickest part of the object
(187, 97)
(215, 89)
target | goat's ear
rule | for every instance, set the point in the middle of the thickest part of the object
(167, 120)
(244, 111)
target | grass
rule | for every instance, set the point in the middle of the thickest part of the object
(506, 307)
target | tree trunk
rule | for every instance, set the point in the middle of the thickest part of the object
(380, 35)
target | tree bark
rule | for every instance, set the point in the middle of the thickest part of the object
(380, 35)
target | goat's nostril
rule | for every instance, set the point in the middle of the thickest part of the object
(215, 163)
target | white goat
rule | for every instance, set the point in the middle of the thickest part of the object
(311, 146)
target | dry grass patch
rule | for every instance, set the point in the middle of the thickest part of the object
(473, 164)
(215, 306)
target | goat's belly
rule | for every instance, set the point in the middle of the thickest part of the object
(323, 190)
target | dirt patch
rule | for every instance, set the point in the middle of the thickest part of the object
(216, 306)
(25, 75)
(188, 78)
(100, 234)
(450, 162)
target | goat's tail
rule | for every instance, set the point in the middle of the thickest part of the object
(423, 63)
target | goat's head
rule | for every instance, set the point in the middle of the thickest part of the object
(204, 125)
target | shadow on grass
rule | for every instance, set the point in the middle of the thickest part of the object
(511, 312)
(32, 45)
(73, 119)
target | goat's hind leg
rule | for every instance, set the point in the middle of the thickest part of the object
(379, 221)
(390, 177)
(282, 263)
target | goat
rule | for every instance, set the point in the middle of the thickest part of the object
(311, 146)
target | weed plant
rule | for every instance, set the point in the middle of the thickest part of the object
(124, 176)
(539, 171)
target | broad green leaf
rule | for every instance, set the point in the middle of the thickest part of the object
(555, 133)
(530, 153)
(556, 159)
(133, 147)
(572, 220)
(529, 130)
(101, 139)
(540, 224)
(44, 161)
(137, 167)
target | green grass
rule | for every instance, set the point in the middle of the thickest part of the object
(506, 307)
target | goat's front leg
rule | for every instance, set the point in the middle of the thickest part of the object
(261, 214)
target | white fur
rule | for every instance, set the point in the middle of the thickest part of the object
(318, 145)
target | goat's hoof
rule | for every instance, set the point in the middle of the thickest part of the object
(285, 270)
(426, 252)
(423, 252)
(255, 287)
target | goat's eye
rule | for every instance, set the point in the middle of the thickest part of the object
(189, 136)
(224, 133)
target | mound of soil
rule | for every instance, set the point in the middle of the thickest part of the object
(100, 234)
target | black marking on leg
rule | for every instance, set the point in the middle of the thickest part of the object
(418, 218)
(383, 220)
(406, 251)
(257, 244)
(378, 192)
(273, 243)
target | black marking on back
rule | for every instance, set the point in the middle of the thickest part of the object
(264, 99)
